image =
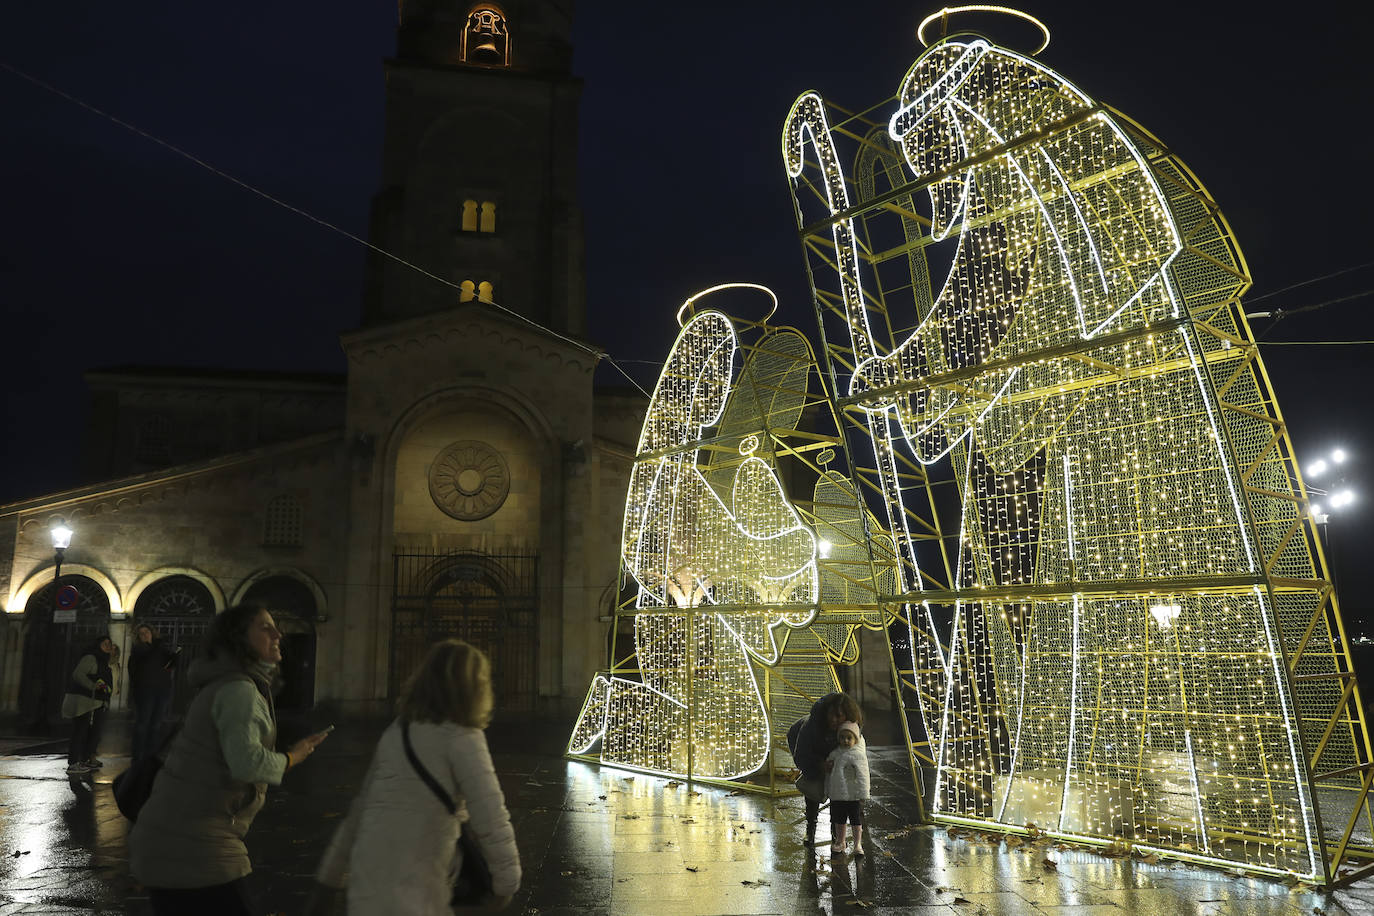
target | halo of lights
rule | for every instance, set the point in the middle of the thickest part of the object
(944, 14)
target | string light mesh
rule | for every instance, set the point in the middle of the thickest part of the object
(719, 561)
(1118, 628)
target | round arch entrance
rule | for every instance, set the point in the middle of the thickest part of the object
(51, 650)
(488, 600)
(180, 609)
(292, 605)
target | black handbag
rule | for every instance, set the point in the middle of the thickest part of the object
(134, 786)
(472, 887)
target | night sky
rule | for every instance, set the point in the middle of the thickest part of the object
(115, 251)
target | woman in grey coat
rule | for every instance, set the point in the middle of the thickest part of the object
(187, 846)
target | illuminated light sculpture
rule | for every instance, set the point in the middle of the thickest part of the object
(741, 599)
(719, 559)
(1130, 639)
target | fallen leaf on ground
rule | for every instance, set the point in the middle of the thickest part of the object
(961, 901)
(693, 868)
(1048, 865)
(863, 903)
(759, 883)
(1014, 841)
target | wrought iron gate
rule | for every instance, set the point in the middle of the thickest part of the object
(489, 600)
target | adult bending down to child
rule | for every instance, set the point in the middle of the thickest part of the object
(811, 739)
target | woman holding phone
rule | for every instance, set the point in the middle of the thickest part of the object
(187, 846)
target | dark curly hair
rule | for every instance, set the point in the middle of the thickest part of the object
(847, 706)
(227, 637)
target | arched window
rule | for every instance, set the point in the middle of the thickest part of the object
(488, 216)
(51, 649)
(282, 527)
(484, 291)
(469, 216)
(486, 38)
(467, 291)
(180, 610)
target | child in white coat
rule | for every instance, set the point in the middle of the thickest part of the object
(847, 785)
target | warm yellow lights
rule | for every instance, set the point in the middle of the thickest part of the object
(943, 17)
(1119, 632)
(718, 554)
(689, 305)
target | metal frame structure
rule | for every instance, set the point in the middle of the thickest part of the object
(733, 493)
(1121, 629)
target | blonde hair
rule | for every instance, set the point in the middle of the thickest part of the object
(452, 684)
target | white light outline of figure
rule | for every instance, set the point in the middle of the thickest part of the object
(700, 595)
(1160, 275)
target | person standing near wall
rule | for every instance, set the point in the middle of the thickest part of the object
(86, 702)
(151, 669)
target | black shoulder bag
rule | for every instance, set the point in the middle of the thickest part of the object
(134, 786)
(472, 887)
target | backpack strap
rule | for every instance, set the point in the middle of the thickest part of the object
(424, 774)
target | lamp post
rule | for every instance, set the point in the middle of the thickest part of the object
(61, 540)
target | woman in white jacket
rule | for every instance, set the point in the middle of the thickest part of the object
(398, 849)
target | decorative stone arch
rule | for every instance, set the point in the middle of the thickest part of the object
(165, 572)
(50, 649)
(486, 36)
(526, 415)
(289, 572)
(40, 579)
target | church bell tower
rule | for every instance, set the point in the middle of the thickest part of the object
(479, 165)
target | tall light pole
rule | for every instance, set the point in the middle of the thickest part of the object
(61, 540)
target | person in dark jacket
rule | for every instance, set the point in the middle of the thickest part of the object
(151, 669)
(812, 738)
(85, 703)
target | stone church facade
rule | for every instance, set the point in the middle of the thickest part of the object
(464, 478)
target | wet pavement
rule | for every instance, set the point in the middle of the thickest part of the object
(602, 841)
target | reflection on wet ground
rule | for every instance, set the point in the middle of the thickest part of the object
(603, 841)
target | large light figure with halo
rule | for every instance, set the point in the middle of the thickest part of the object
(716, 554)
(1126, 637)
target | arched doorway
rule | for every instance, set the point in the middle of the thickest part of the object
(51, 650)
(488, 600)
(180, 609)
(292, 605)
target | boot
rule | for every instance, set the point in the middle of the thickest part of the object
(810, 833)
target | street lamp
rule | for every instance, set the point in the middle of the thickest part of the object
(1336, 496)
(61, 540)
